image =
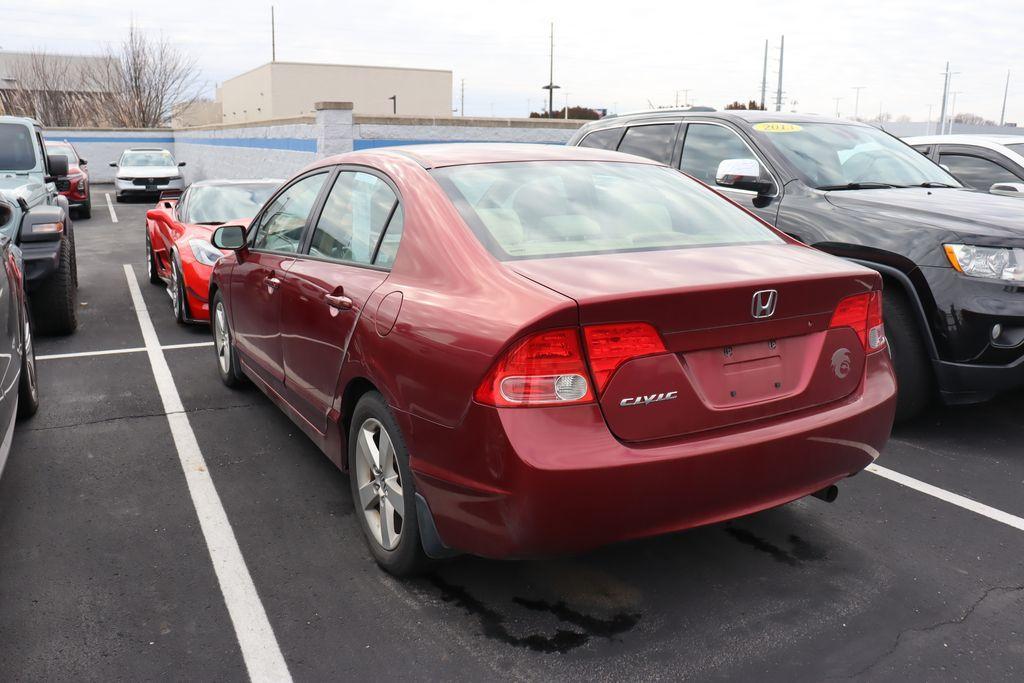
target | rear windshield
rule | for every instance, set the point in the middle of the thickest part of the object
(16, 150)
(220, 203)
(147, 158)
(541, 209)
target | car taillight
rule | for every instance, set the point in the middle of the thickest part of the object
(862, 312)
(546, 368)
(609, 346)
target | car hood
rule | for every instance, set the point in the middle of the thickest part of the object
(147, 171)
(960, 211)
(26, 186)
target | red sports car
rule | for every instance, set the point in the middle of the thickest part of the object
(520, 350)
(77, 188)
(178, 249)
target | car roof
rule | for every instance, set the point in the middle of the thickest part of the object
(738, 115)
(462, 153)
(221, 182)
(965, 139)
(148, 149)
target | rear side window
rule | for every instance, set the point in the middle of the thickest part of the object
(354, 216)
(602, 139)
(706, 146)
(653, 142)
(981, 174)
(543, 209)
(16, 150)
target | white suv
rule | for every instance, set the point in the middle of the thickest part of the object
(990, 163)
(146, 171)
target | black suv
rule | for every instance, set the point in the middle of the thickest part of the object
(952, 258)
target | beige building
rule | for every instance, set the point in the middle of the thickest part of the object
(286, 89)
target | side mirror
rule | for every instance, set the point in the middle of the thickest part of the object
(742, 174)
(58, 165)
(113, 164)
(181, 163)
(1008, 189)
(229, 237)
(82, 162)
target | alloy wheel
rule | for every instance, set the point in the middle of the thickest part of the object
(149, 258)
(379, 482)
(28, 349)
(222, 338)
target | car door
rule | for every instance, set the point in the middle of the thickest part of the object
(255, 303)
(977, 167)
(706, 145)
(346, 258)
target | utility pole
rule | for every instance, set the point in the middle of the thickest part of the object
(686, 96)
(778, 93)
(945, 97)
(1006, 91)
(837, 99)
(952, 109)
(566, 106)
(928, 126)
(273, 37)
(764, 73)
(856, 100)
(462, 98)
(551, 87)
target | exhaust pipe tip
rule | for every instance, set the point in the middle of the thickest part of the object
(827, 494)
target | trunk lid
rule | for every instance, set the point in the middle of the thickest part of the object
(724, 366)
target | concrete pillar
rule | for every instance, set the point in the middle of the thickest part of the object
(334, 128)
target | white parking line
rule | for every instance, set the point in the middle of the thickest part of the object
(949, 497)
(111, 352)
(113, 216)
(262, 654)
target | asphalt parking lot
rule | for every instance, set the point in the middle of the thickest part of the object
(105, 571)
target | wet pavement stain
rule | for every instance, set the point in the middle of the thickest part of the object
(801, 549)
(564, 640)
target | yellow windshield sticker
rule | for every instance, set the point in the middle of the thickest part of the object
(777, 127)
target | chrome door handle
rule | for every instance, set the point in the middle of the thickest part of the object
(272, 282)
(338, 301)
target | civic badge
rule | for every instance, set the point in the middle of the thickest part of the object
(763, 304)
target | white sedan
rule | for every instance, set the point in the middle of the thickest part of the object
(146, 171)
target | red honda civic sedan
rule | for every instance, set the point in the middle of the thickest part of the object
(519, 350)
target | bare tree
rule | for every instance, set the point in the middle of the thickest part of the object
(50, 88)
(973, 119)
(148, 79)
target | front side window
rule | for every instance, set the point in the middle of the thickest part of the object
(981, 174)
(283, 222)
(147, 157)
(706, 146)
(542, 209)
(354, 216)
(652, 142)
(602, 139)
(216, 204)
(16, 150)
(832, 156)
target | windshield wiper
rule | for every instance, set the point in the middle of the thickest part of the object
(859, 186)
(932, 183)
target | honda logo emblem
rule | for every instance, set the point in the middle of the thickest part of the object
(763, 305)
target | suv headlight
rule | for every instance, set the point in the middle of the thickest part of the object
(996, 263)
(205, 252)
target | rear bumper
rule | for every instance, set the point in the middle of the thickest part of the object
(514, 483)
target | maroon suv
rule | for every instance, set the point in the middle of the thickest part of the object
(76, 187)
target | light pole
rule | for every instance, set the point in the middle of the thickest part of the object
(952, 109)
(837, 105)
(856, 100)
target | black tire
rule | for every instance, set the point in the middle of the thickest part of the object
(178, 301)
(909, 355)
(86, 210)
(28, 383)
(154, 274)
(118, 198)
(407, 557)
(230, 370)
(55, 303)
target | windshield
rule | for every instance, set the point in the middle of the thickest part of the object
(833, 155)
(62, 148)
(16, 150)
(220, 203)
(154, 157)
(1017, 147)
(542, 209)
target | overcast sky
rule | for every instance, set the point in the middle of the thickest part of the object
(622, 56)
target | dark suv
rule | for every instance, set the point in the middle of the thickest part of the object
(952, 258)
